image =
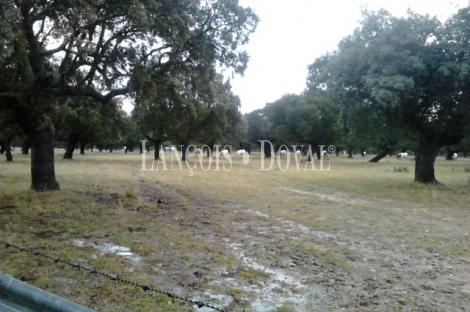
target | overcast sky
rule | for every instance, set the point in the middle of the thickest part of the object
(291, 34)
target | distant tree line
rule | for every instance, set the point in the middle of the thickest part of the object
(64, 65)
(395, 84)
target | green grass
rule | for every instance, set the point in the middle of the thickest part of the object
(106, 197)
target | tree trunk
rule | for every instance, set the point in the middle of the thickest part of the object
(156, 151)
(110, 149)
(211, 146)
(8, 148)
(267, 150)
(350, 152)
(381, 155)
(38, 129)
(69, 150)
(42, 162)
(363, 152)
(425, 158)
(8, 153)
(25, 147)
(82, 148)
(183, 151)
(247, 148)
(449, 155)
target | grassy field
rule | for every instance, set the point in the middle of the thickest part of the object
(357, 237)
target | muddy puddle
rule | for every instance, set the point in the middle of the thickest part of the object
(105, 248)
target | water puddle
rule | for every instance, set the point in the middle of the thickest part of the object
(280, 289)
(217, 300)
(283, 288)
(291, 226)
(110, 248)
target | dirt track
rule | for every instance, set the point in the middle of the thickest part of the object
(361, 268)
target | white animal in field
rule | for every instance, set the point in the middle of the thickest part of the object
(170, 149)
(282, 152)
(455, 156)
(198, 151)
(402, 155)
(241, 152)
(224, 152)
(298, 152)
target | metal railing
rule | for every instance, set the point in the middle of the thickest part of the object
(18, 296)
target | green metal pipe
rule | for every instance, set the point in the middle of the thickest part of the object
(16, 296)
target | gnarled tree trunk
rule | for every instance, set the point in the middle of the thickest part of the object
(69, 150)
(39, 130)
(42, 162)
(381, 155)
(425, 158)
(82, 148)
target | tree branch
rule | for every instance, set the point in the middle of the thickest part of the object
(59, 48)
(104, 99)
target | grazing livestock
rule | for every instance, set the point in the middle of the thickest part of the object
(241, 152)
(198, 151)
(455, 156)
(324, 154)
(297, 152)
(402, 155)
(282, 152)
(224, 152)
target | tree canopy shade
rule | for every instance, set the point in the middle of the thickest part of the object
(409, 74)
(185, 107)
(8, 130)
(84, 120)
(51, 49)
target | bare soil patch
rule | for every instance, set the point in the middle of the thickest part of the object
(361, 268)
